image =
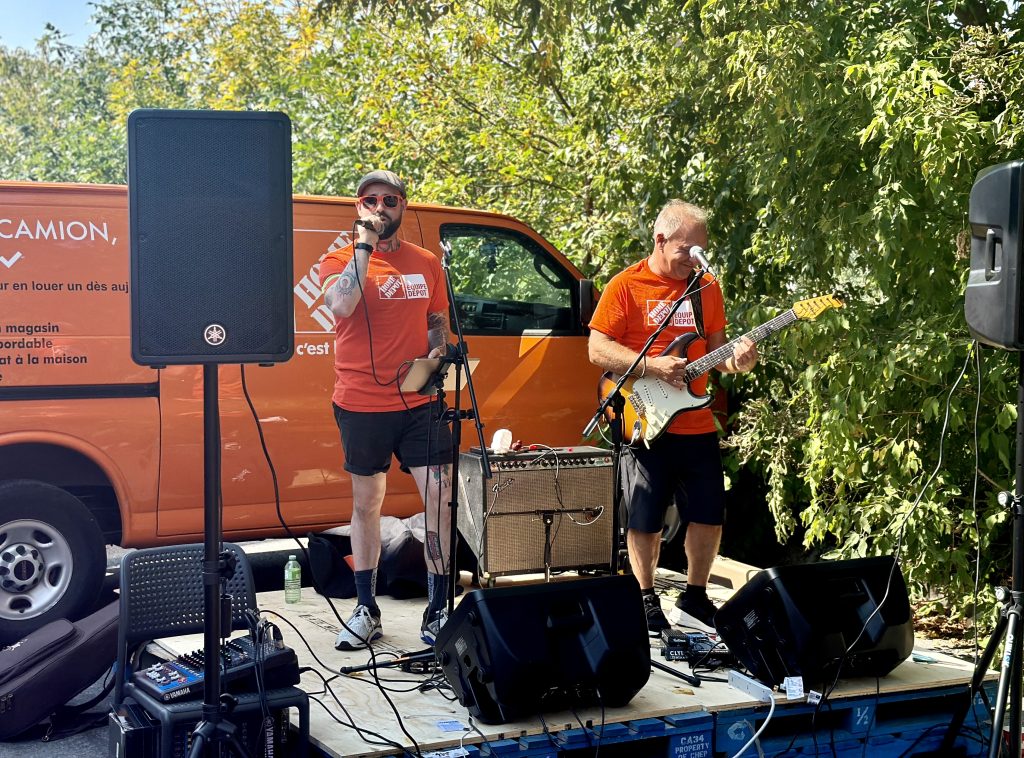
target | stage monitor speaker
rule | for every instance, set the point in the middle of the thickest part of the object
(210, 205)
(553, 503)
(800, 620)
(513, 652)
(993, 300)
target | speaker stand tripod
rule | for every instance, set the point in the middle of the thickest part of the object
(214, 729)
(1008, 630)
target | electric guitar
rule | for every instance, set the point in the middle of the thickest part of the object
(652, 404)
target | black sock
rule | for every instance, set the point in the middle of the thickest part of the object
(695, 591)
(649, 592)
(366, 590)
(437, 590)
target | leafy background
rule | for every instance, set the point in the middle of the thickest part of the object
(834, 143)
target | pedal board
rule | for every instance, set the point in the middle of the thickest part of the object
(695, 648)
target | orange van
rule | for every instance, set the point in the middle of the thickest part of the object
(97, 450)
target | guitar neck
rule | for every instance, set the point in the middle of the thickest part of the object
(701, 366)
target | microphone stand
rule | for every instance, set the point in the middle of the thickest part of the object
(405, 662)
(690, 678)
(617, 403)
(455, 415)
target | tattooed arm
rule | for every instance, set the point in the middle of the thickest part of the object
(437, 333)
(344, 294)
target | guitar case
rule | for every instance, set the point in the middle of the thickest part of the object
(42, 672)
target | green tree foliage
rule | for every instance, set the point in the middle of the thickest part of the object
(834, 142)
(54, 120)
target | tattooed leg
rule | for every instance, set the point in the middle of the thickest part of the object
(442, 476)
(434, 546)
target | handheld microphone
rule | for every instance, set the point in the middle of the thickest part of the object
(372, 223)
(698, 252)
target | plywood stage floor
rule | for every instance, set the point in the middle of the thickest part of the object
(418, 712)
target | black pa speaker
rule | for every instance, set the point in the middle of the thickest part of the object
(800, 620)
(513, 652)
(210, 203)
(545, 507)
(993, 300)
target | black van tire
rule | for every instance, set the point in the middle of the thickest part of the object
(52, 557)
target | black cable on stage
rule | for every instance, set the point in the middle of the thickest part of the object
(351, 724)
(305, 553)
(899, 542)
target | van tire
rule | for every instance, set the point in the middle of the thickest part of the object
(52, 557)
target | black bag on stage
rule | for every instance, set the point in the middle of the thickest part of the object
(42, 672)
(402, 572)
(332, 575)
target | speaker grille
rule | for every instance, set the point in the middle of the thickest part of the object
(211, 230)
(503, 519)
(510, 653)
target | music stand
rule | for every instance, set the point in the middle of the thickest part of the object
(430, 376)
(458, 356)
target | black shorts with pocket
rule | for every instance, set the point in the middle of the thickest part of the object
(686, 468)
(417, 437)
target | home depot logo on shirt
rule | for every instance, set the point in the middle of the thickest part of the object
(658, 309)
(411, 286)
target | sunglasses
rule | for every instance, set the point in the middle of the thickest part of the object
(370, 201)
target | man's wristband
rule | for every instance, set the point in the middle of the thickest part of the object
(363, 246)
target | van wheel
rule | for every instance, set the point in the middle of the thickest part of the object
(52, 557)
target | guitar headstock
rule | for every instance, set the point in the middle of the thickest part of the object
(808, 310)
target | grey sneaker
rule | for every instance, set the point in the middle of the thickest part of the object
(360, 630)
(432, 623)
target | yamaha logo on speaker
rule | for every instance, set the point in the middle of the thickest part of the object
(215, 335)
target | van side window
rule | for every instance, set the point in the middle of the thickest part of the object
(506, 283)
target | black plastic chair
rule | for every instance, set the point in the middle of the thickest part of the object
(162, 596)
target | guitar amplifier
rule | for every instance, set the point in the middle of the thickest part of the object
(543, 508)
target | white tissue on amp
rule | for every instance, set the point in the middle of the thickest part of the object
(501, 442)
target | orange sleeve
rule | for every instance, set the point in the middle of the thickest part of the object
(714, 309)
(332, 265)
(610, 316)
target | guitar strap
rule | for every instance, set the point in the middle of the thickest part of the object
(696, 306)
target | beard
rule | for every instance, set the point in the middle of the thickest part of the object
(390, 226)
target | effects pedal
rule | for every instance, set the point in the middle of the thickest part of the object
(694, 648)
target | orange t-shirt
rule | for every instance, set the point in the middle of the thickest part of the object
(400, 289)
(634, 304)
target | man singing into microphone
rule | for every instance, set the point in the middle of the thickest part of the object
(390, 306)
(684, 462)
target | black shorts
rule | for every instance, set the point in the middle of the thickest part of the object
(416, 437)
(684, 467)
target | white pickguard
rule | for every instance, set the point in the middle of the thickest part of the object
(658, 403)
